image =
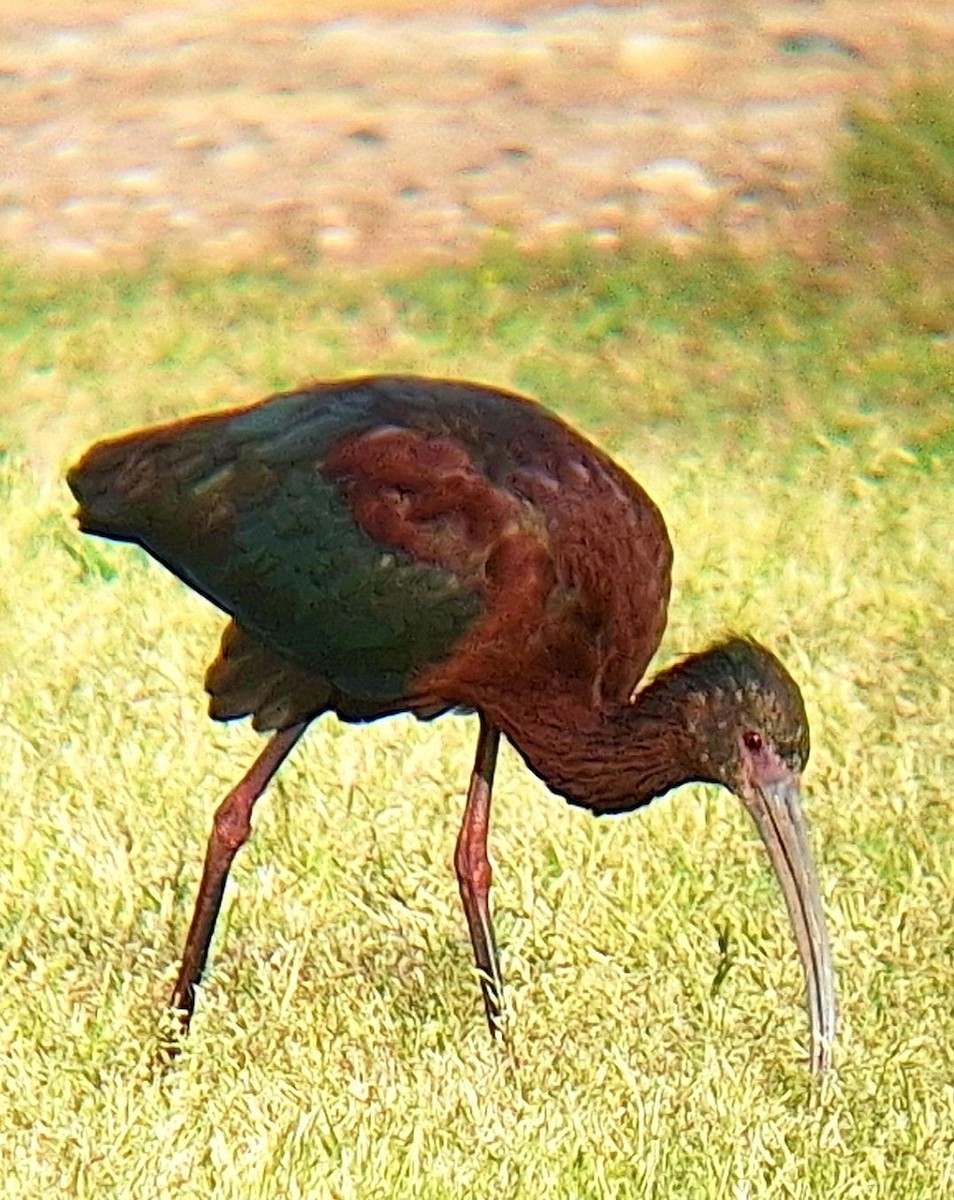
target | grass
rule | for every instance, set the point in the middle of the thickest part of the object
(900, 163)
(795, 424)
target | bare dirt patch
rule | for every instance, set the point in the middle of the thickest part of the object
(267, 132)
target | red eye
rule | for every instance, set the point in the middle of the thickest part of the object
(752, 741)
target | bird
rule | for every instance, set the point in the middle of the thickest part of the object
(407, 544)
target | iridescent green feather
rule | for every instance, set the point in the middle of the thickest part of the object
(236, 506)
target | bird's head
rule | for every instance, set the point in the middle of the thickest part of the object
(745, 727)
(745, 716)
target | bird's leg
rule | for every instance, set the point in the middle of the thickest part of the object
(474, 872)
(230, 829)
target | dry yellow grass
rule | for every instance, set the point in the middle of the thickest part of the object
(324, 10)
(254, 134)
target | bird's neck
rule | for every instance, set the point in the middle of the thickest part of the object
(615, 760)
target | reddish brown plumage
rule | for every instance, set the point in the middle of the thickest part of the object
(402, 544)
(570, 557)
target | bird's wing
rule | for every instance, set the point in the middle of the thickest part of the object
(248, 679)
(240, 507)
(404, 539)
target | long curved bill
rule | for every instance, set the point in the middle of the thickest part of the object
(776, 808)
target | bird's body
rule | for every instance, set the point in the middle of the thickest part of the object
(399, 544)
(378, 544)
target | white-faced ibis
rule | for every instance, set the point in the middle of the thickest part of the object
(388, 545)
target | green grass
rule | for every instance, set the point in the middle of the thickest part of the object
(795, 424)
(899, 165)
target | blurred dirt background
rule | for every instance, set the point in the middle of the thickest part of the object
(388, 130)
